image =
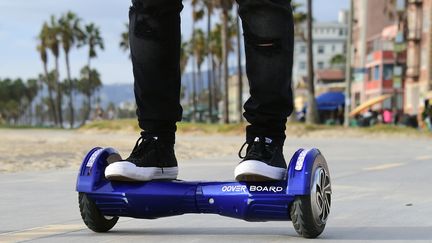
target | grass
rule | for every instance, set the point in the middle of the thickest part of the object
(293, 128)
(392, 129)
(205, 128)
(112, 125)
(182, 127)
(4, 126)
(210, 128)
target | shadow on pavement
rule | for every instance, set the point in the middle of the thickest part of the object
(331, 233)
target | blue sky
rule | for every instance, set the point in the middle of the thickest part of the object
(21, 20)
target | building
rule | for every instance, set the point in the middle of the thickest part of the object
(384, 67)
(329, 80)
(369, 52)
(385, 61)
(418, 76)
(329, 41)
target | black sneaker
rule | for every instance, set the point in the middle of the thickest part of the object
(263, 161)
(150, 159)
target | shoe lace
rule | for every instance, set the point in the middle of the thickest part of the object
(241, 150)
(259, 146)
(141, 146)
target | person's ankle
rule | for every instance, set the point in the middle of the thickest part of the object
(165, 137)
(276, 140)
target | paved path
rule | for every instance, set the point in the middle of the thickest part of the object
(382, 191)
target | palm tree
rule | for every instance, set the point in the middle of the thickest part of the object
(197, 14)
(54, 46)
(299, 18)
(209, 6)
(199, 52)
(338, 61)
(124, 40)
(70, 34)
(239, 68)
(51, 80)
(88, 84)
(43, 52)
(40, 114)
(312, 112)
(12, 104)
(93, 40)
(184, 59)
(31, 91)
(225, 6)
(184, 56)
(216, 61)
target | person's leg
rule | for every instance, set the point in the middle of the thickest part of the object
(155, 51)
(269, 43)
(154, 35)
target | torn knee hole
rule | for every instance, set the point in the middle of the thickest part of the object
(267, 47)
(266, 44)
(262, 43)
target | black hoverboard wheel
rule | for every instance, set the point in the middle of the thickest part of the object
(309, 213)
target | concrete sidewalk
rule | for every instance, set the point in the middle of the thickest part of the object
(381, 191)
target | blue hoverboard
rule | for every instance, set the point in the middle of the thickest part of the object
(303, 198)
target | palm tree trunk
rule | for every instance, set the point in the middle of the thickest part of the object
(30, 113)
(194, 88)
(214, 87)
(87, 114)
(199, 83)
(209, 67)
(219, 86)
(71, 107)
(59, 93)
(312, 113)
(89, 107)
(88, 62)
(225, 63)
(239, 70)
(52, 105)
(201, 90)
(194, 91)
(88, 110)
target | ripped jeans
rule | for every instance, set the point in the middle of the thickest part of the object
(155, 51)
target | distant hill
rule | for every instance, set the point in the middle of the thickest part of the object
(116, 93)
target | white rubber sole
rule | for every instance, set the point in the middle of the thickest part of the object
(169, 173)
(257, 170)
(127, 171)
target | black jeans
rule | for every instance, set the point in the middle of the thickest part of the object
(155, 50)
